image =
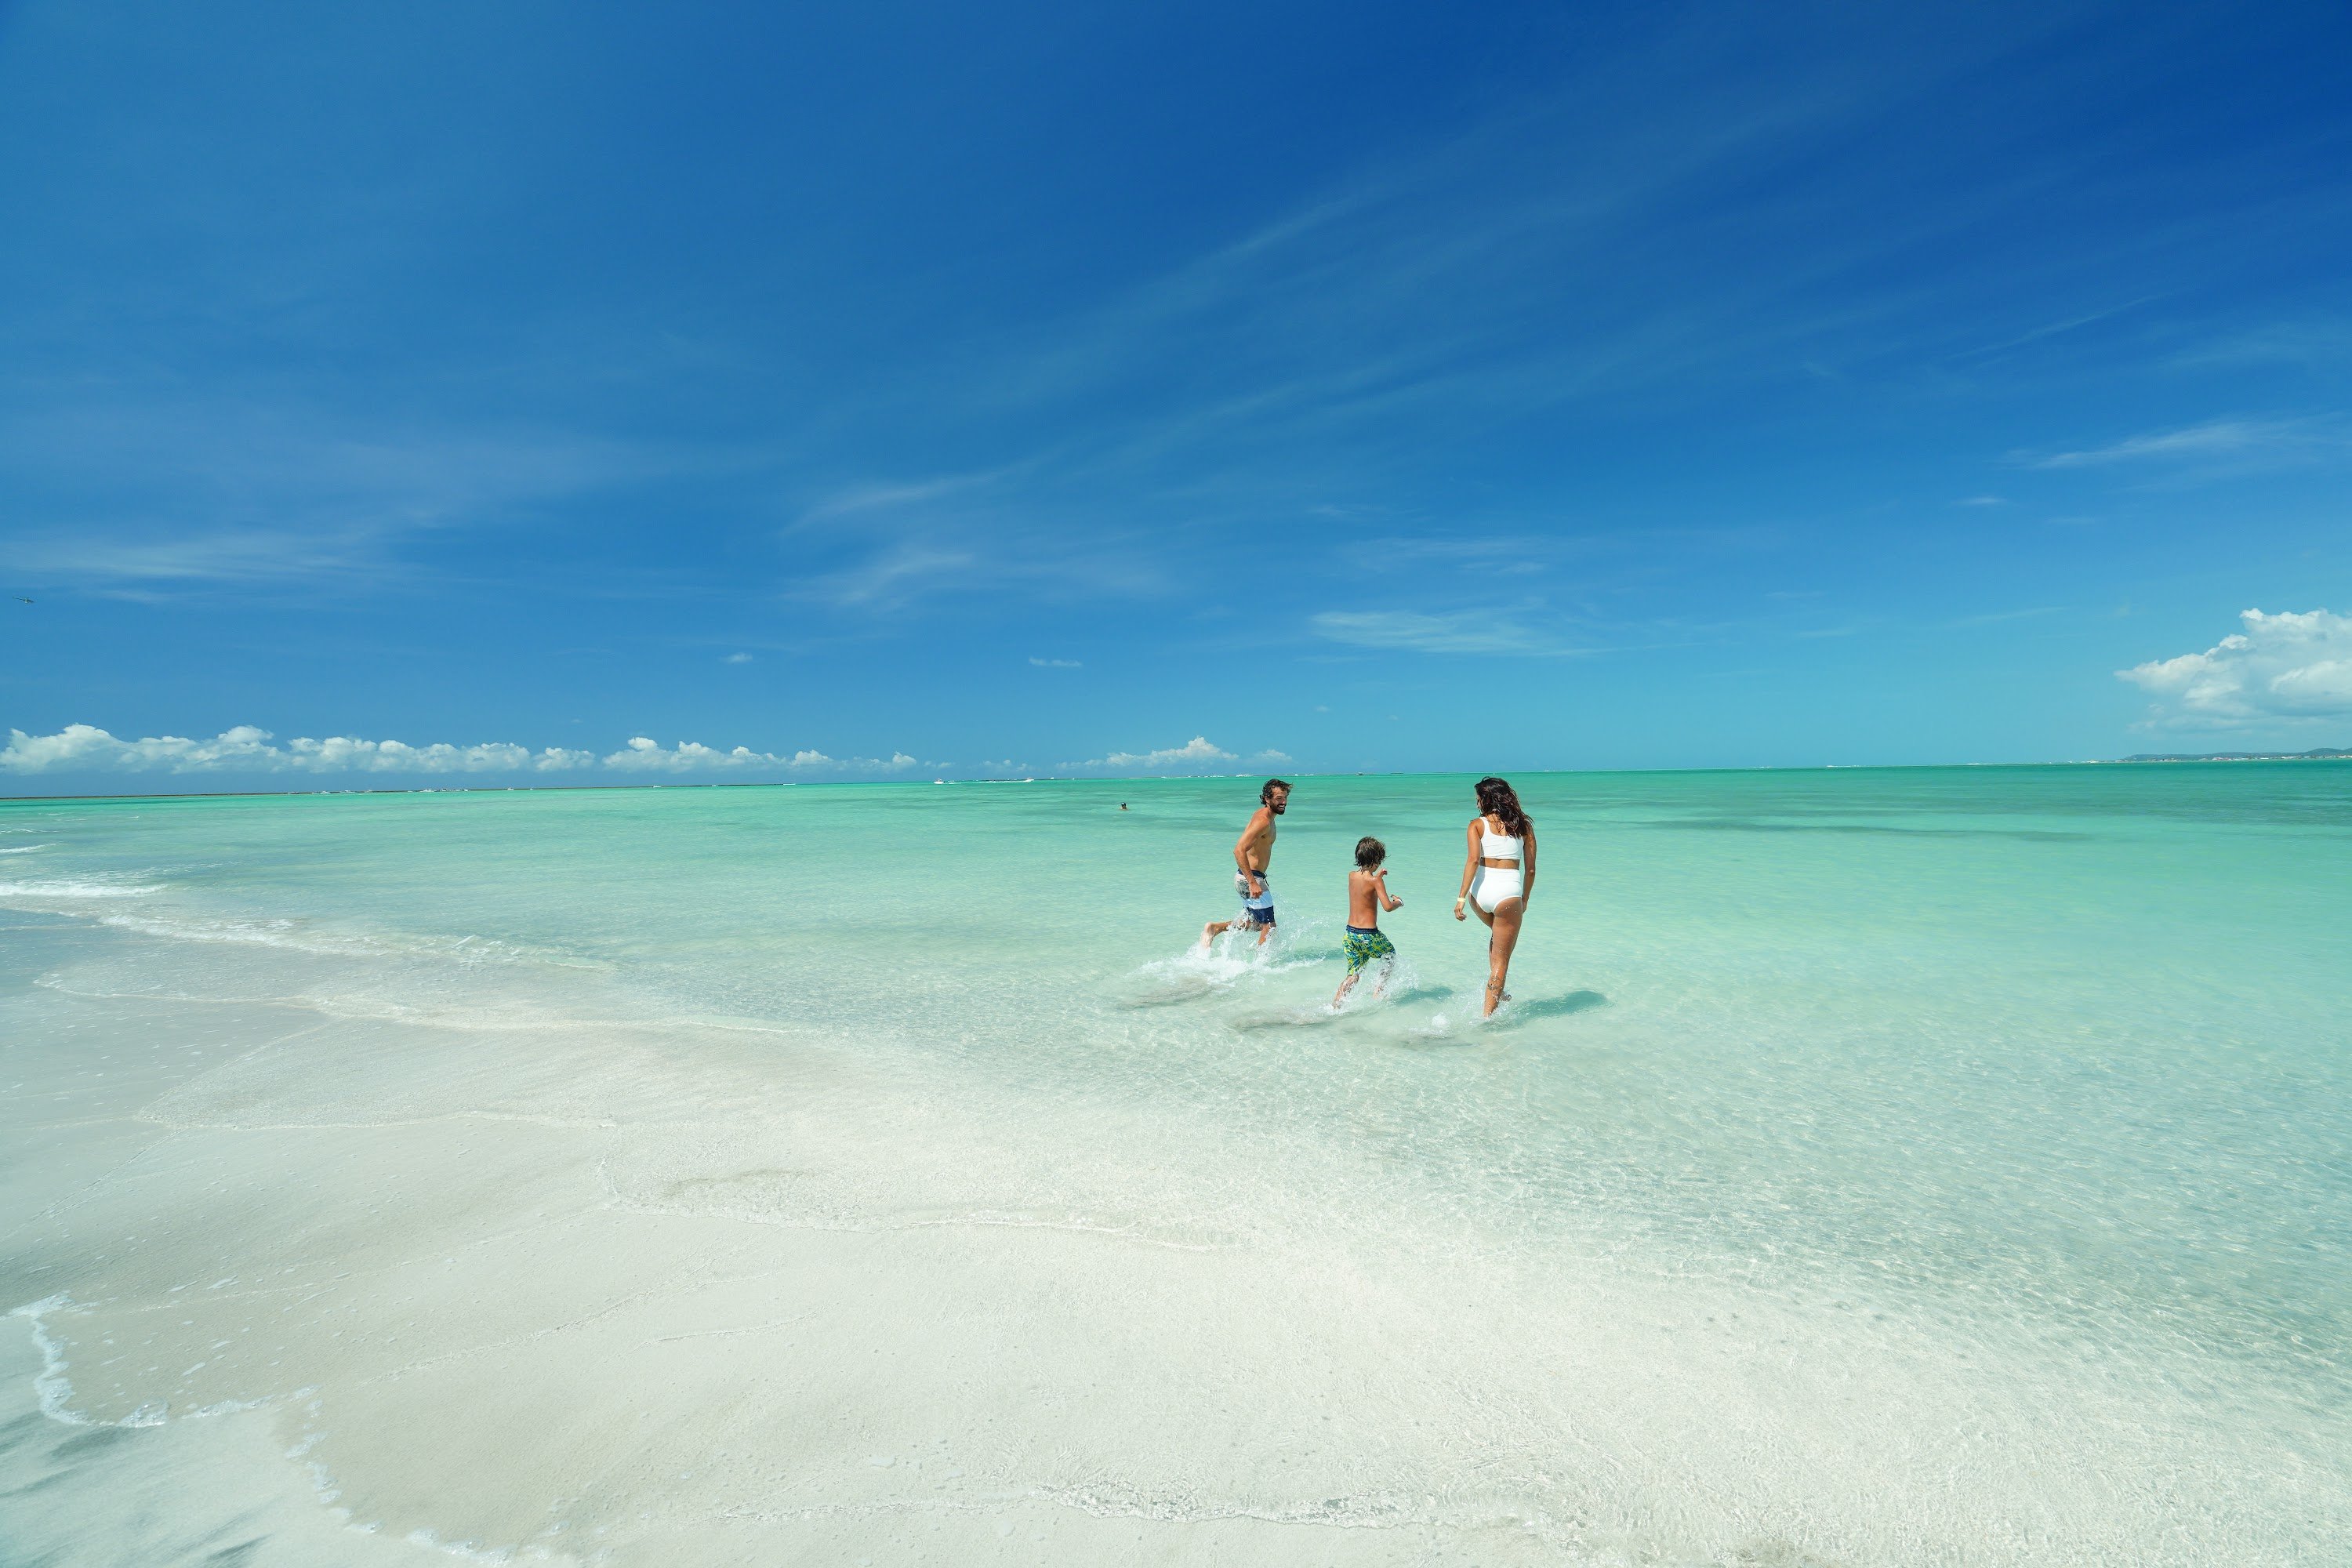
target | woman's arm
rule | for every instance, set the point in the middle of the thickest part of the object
(1469, 867)
(1527, 877)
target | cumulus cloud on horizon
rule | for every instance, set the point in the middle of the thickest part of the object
(2284, 667)
(1199, 749)
(85, 747)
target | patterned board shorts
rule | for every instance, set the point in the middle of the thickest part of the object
(1363, 946)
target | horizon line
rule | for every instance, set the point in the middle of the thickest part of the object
(2317, 755)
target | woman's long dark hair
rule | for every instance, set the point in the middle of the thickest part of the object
(1498, 800)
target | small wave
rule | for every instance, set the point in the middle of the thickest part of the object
(1305, 1017)
(296, 936)
(26, 848)
(1199, 971)
(78, 889)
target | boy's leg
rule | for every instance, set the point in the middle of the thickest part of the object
(1352, 946)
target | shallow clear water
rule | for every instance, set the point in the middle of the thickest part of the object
(1874, 1166)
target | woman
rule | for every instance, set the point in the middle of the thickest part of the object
(1499, 878)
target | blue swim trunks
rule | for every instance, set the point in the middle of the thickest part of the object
(1363, 946)
(1257, 908)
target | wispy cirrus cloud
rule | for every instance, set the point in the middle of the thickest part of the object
(1418, 631)
(1056, 663)
(175, 497)
(2284, 667)
(898, 495)
(900, 572)
(2232, 441)
(109, 557)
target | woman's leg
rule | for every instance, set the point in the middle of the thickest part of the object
(1506, 925)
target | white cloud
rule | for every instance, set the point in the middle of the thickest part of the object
(86, 748)
(1198, 750)
(1466, 631)
(737, 659)
(644, 754)
(1056, 663)
(1274, 758)
(2282, 667)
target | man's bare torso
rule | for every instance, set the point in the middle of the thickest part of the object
(1258, 839)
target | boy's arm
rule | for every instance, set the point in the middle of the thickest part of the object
(1388, 900)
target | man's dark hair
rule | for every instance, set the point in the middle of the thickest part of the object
(1370, 852)
(1266, 795)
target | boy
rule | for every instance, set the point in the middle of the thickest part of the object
(1367, 895)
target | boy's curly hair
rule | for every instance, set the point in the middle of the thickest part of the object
(1370, 852)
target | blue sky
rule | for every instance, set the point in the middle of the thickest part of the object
(921, 390)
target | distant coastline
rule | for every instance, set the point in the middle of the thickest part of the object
(2321, 754)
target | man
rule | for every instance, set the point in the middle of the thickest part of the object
(1252, 850)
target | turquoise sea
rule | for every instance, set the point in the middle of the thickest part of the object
(1940, 1166)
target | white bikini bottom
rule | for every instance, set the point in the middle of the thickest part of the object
(1490, 887)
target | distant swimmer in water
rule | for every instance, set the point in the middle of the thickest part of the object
(1367, 895)
(1251, 851)
(1122, 805)
(1499, 878)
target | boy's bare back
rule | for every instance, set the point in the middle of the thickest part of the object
(1368, 894)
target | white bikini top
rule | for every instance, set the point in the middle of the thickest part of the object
(1497, 847)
